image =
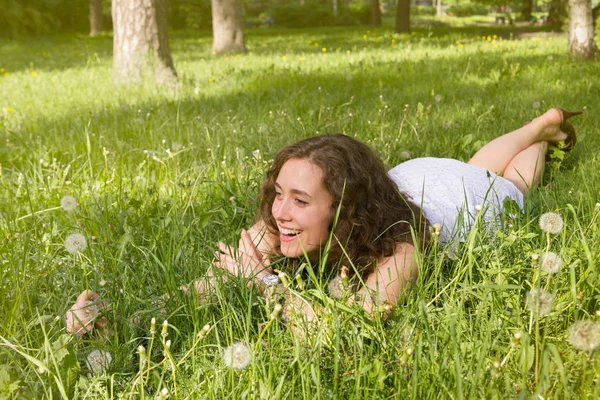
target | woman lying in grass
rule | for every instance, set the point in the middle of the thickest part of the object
(331, 197)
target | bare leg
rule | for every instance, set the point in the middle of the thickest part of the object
(526, 168)
(519, 156)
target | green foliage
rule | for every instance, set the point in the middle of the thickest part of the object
(39, 17)
(468, 9)
(422, 10)
(189, 14)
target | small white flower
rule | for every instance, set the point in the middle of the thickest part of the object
(551, 222)
(256, 154)
(75, 243)
(539, 302)
(98, 361)
(68, 203)
(237, 356)
(550, 262)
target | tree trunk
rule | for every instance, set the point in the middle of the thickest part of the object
(141, 44)
(526, 10)
(228, 36)
(438, 8)
(557, 13)
(403, 16)
(581, 29)
(95, 17)
(375, 13)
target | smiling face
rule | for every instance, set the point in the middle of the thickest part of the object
(301, 208)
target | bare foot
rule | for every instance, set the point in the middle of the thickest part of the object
(549, 123)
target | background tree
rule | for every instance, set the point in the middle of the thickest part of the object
(95, 17)
(526, 9)
(403, 16)
(581, 29)
(375, 13)
(557, 13)
(140, 44)
(228, 35)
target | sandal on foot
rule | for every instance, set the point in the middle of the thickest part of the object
(567, 128)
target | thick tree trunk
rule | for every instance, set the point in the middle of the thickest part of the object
(403, 16)
(95, 17)
(375, 13)
(557, 13)
(141, 44)
(526, 10)
(228, 36)
(438, 8)
(581, 29)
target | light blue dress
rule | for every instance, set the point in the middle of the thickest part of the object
(450, 191)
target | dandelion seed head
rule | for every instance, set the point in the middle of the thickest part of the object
(237, 356)
(551, 222)
(98, 361)
(539, 302)
(536, 104)
(75, 243)
(584, 335)
(438, 98)
(68, 203)
(336, 287)
(404, 155)
(550, 262)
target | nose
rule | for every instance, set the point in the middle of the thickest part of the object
(281, 210)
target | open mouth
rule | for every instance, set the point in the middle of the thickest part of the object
(289, 233)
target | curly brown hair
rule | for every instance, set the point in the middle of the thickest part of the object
(373, 216)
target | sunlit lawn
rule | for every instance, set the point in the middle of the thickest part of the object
(161, 175)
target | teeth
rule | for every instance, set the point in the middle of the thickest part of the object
(288, 231)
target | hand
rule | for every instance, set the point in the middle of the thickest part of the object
(247, 262)
(84, 315)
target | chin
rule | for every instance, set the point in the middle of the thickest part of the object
(298, 251)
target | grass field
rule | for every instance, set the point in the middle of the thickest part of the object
(161, 175)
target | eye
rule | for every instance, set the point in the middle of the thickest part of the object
(277, 194)
(301, 202)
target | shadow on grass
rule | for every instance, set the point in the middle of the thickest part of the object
(61, 52)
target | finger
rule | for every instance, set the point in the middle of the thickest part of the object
(250, 246)
(225, 248)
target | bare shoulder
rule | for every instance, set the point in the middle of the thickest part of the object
(402, 257)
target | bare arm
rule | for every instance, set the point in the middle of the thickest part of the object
(390, 281)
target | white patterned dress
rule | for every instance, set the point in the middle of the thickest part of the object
(450, 191)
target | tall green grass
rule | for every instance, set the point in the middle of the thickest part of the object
(162, 174)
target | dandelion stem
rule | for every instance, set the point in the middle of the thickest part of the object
(37, 212)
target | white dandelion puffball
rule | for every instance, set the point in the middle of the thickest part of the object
(551, 222)
(336, 288)
(75, 243)
(68, 203)
(98, 361)
(539, 302)
(584, 335)
(550, 262)
(237, 356)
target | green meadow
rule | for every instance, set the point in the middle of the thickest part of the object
(160, 175)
